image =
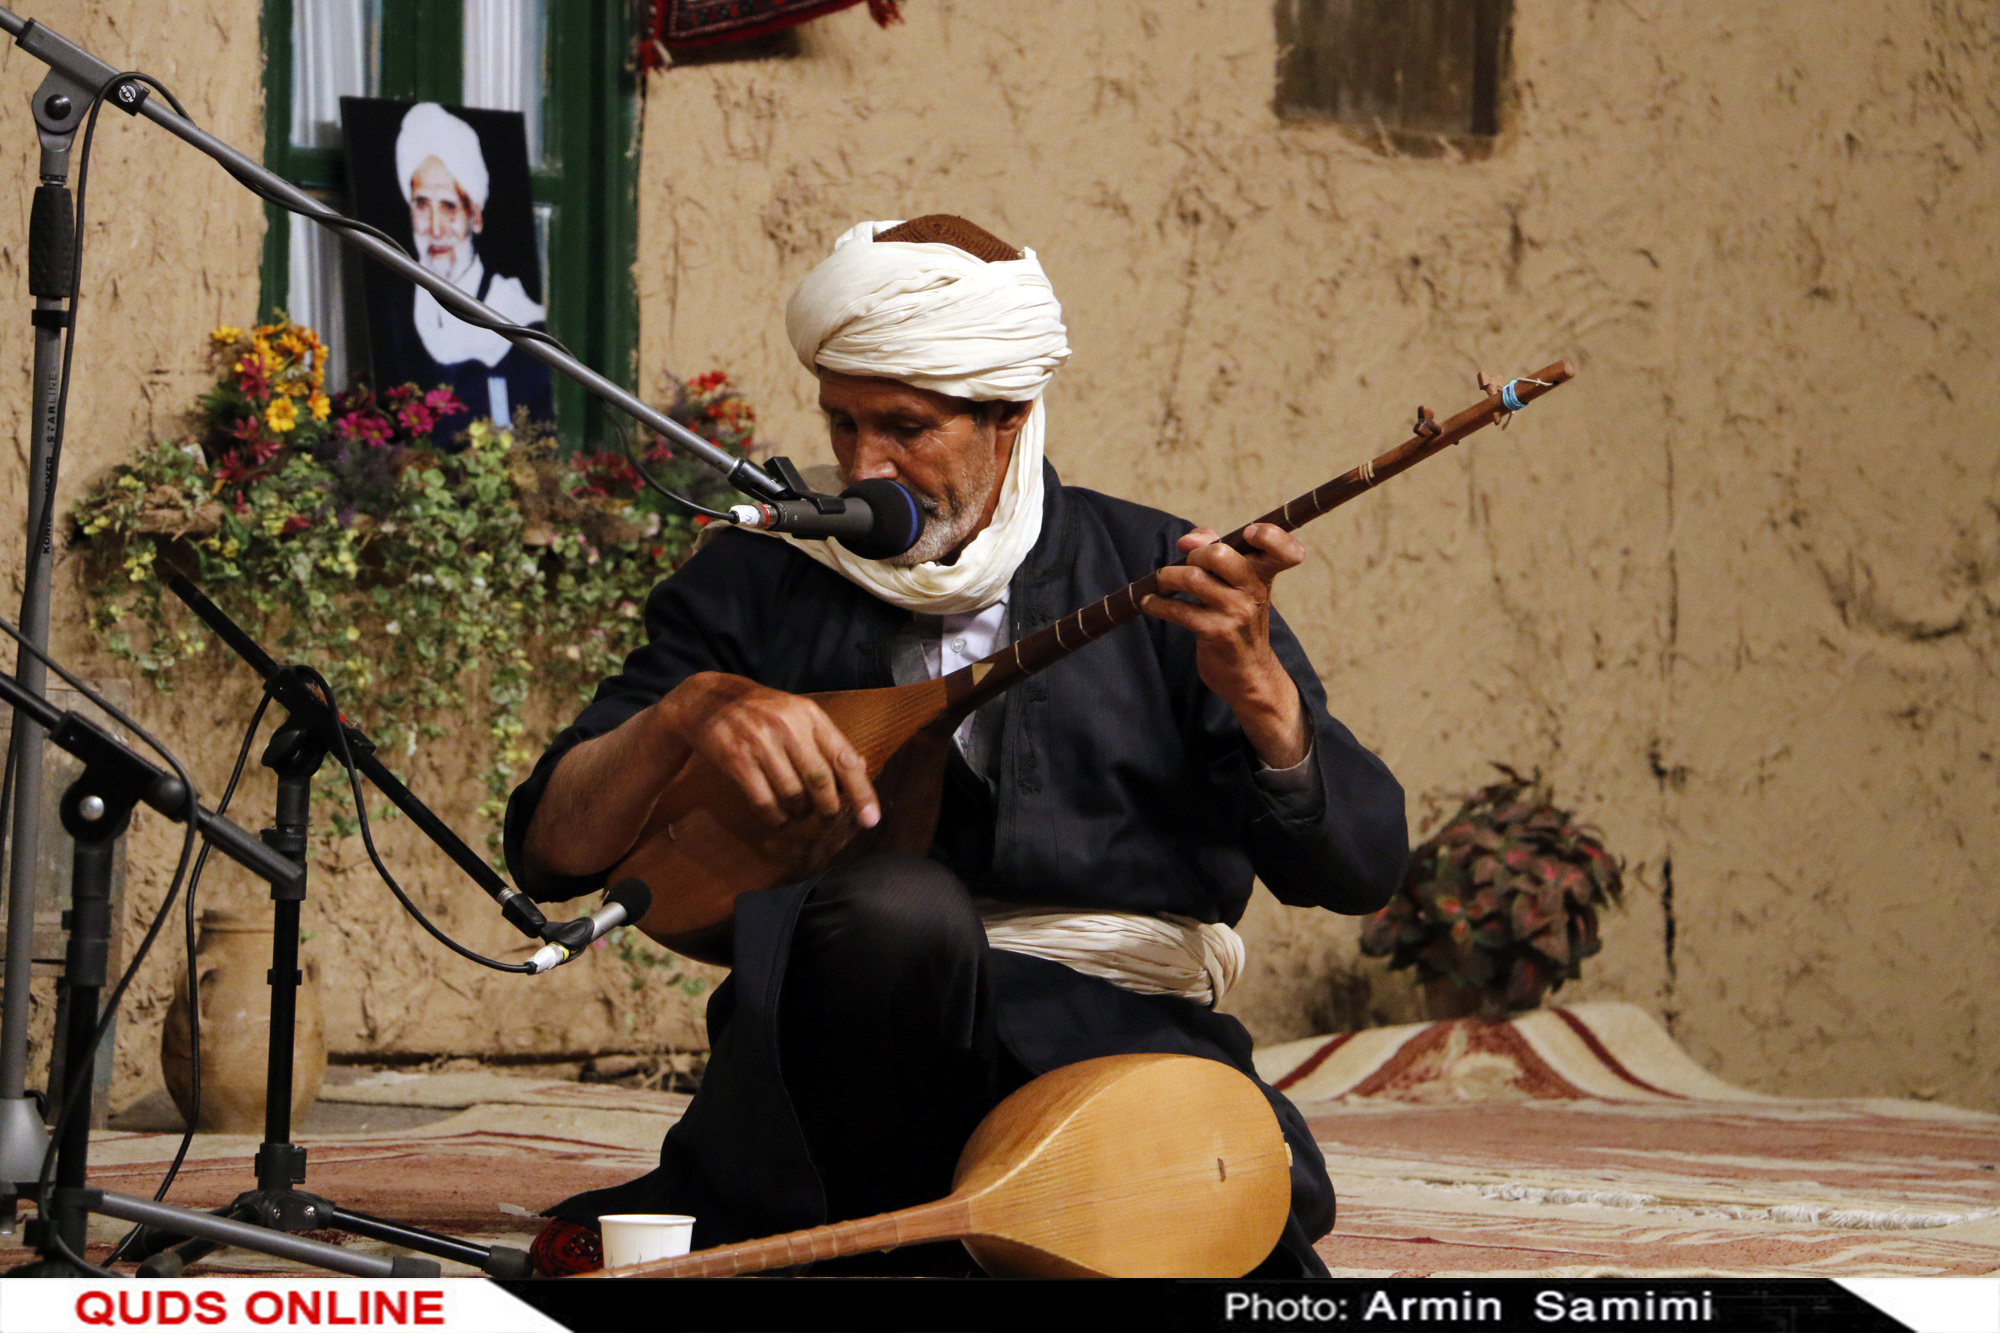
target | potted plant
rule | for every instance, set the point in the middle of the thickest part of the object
(1499, 907)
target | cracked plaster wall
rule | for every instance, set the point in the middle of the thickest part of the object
(172, 250)
(1734, 590)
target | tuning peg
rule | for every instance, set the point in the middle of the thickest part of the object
(1489, 386)
(1426, 426)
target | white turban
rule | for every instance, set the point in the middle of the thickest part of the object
(431, 131)
(935, 317)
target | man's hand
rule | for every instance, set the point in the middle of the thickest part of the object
(781, 749)
(1231, 621)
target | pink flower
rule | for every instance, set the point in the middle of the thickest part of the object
(443, 402)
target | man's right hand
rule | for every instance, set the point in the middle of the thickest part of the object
(781, 750)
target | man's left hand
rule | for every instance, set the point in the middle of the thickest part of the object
(1230, 618)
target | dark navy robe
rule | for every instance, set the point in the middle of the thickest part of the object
(1122, 783)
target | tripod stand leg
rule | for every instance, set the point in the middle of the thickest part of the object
(95, 820)
(502, 1261)
(173, 1261)
(165, 1218)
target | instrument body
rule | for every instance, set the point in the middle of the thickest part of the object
(704, 839)
(703, 843)
(1123, 1166)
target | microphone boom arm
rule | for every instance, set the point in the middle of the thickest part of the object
(310, 711)
(71, 60)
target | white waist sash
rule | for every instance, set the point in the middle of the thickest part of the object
(1148, 955)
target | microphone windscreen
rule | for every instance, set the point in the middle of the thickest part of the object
(633, 896)
(896, 521)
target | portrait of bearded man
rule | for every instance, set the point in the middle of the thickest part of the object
(447, 176)
(1101, 824)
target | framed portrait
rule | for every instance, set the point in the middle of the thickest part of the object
(452, 184)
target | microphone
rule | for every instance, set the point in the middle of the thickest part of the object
(627, 902)
(875, 519)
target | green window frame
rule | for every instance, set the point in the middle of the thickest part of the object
(588, 174)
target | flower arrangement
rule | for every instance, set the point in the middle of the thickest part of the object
(1501, 902)
(425, 586)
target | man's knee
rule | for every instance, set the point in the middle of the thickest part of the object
(889, 912)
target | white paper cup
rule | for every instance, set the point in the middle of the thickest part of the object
(638, 1238)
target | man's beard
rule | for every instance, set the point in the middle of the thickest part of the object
(452, 262)
(950, 519)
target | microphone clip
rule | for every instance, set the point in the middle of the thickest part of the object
(571, 935)
(786, 473)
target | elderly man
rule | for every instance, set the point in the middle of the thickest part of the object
(1101, 825)
(445, 181)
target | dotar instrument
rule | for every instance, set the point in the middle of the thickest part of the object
(703, 843)
(1122, 1166)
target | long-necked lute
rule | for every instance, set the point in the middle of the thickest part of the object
(703, 843)
(1124, 1166)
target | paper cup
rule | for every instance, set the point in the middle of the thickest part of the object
(638, 1238)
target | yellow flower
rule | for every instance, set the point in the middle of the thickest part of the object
(281, 415)
(320, 405)
(227, 335)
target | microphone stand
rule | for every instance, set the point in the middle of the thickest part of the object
(76, 77)
(75, 80)
(96, 810)
(313, 730)
(58, 106)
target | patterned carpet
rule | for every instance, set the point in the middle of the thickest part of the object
(1574, 1142)
(1583, 1142)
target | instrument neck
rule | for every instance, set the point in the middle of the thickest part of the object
(971, 686)
(943, 1220)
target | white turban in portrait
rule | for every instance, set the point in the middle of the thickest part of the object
(431, 131)
(935, 317)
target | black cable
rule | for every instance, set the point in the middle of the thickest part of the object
(6, 801)
(630, 446)
(326, 216)
(332, 218)
(40, 548)
(45, 1181)
(319, 683)
(193, 980)
(43, 528)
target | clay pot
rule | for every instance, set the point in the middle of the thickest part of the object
(232, 959)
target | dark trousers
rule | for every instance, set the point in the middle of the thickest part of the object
(886, 1038)
(860, 1040)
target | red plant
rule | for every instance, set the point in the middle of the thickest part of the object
(1502, 900)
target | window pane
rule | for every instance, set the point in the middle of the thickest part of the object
(333, 56)
(504, 45)
(315, 298)
(545, 221)
(1428, 67)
